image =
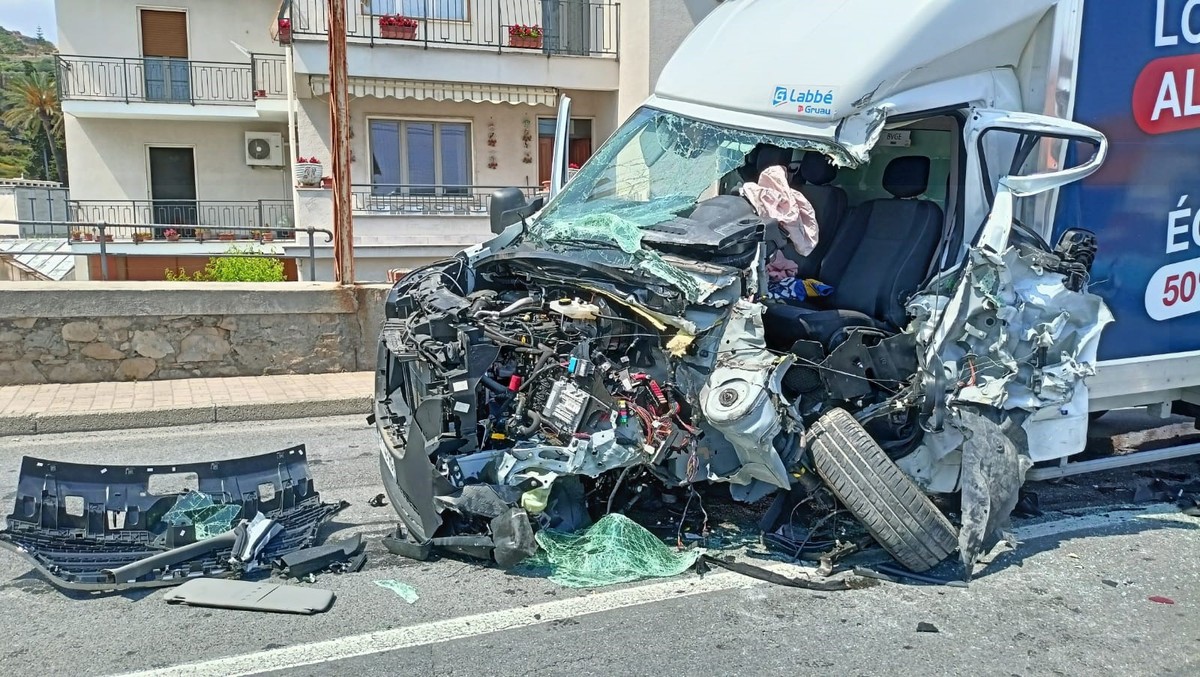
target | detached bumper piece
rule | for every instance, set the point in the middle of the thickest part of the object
(114, 527)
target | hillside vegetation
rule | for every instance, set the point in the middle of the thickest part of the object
(31, 141)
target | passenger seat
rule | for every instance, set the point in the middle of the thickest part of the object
(829, 204)
(878, 258)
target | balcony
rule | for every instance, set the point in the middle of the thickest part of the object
(568, 27)
(192, 219)
(465, 41)
(411, 200)
(150, 88)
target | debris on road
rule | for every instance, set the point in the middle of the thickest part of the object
(118, 527)
(613, 550)
(1159, 599)
(404, 590)
(926, 627)
(378, 501)
(331, 556)
(251, 596)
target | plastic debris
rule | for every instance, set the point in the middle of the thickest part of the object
(1158, 599)
(613, 550)
(404, 590)
(926, 627)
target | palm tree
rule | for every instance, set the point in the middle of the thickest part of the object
(31, 103)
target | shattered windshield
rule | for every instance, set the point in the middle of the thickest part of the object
(657, 165)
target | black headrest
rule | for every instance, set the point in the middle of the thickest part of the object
(907, 176)
(771, 156)
(817, 169)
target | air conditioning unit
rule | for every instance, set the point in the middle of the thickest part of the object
(264, 149)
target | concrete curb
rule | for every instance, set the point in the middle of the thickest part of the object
(175, 416)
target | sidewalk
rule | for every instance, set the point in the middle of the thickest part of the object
(57, 408)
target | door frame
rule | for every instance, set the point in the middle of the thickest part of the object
(150, 200)
(538, 118)
(149, 178)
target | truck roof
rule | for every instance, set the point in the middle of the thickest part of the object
(815, 62)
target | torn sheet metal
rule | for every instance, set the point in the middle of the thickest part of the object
(1014, 338)
(101, 527)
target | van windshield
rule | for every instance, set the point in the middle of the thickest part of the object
(657, 165)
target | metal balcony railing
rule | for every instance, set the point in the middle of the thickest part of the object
(167, 80)
(425, 200)
(568, 27)
(188, 218)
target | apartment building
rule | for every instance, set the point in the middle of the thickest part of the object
(189, 115)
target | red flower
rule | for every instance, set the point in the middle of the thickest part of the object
(285, 23)
(572, 166)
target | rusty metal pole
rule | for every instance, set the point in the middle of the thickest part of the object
(339, 122)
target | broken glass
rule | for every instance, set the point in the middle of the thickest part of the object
(613, 550)
(196, 509)
(406, 592)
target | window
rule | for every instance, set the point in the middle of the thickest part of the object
(437, 9)
(415, 157)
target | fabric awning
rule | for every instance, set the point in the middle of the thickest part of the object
(422, 90)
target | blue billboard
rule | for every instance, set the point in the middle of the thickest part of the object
(1138, 84)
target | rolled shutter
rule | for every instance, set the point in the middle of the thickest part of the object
(164, 34)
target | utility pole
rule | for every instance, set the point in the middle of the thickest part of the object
(339, 122)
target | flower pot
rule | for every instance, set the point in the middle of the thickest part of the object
(89, 237)
(106, 238)
(327, 182)
(308, 174)
(285, 31)
(523, 42)
(260, 93)
(398, 32)
(268, 237)
(225, 237)
(172, 238)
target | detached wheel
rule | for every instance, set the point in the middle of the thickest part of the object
(892, 508)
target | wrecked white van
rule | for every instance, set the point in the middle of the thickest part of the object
(654, 325)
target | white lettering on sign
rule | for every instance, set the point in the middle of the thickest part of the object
(1161, 39)
(1168, 96)
(1181, 222)
(901, 138)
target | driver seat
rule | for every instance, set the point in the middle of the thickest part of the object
(877, 260)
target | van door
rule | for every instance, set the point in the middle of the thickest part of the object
(1031, 156)
(1027, 325)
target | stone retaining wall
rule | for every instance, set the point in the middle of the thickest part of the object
(136, 331)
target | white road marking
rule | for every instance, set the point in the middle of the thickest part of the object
(509, 619)
(459, 628)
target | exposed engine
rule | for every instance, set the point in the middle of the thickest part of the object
(553, 398)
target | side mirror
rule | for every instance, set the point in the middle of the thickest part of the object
(508, 206)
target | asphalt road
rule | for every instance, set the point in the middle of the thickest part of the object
(1073, 599)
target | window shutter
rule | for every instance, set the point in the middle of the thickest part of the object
(164, 34)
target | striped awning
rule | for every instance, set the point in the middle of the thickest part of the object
(422, 90)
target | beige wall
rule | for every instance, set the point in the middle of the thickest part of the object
(651, 31)
(313, 131)
(108, 159)
(112, 27)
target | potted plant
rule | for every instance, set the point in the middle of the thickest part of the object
(106, 237)
(76, 235)
(225, 236)
(89, 237)
(571, 169)
(171, 234)
(141, 236)
(525, 37)
(260, 93)
(397, 27)
(308, 171)
(266, 236)
(285, 31)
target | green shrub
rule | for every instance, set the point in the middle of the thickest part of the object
(235, 269)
